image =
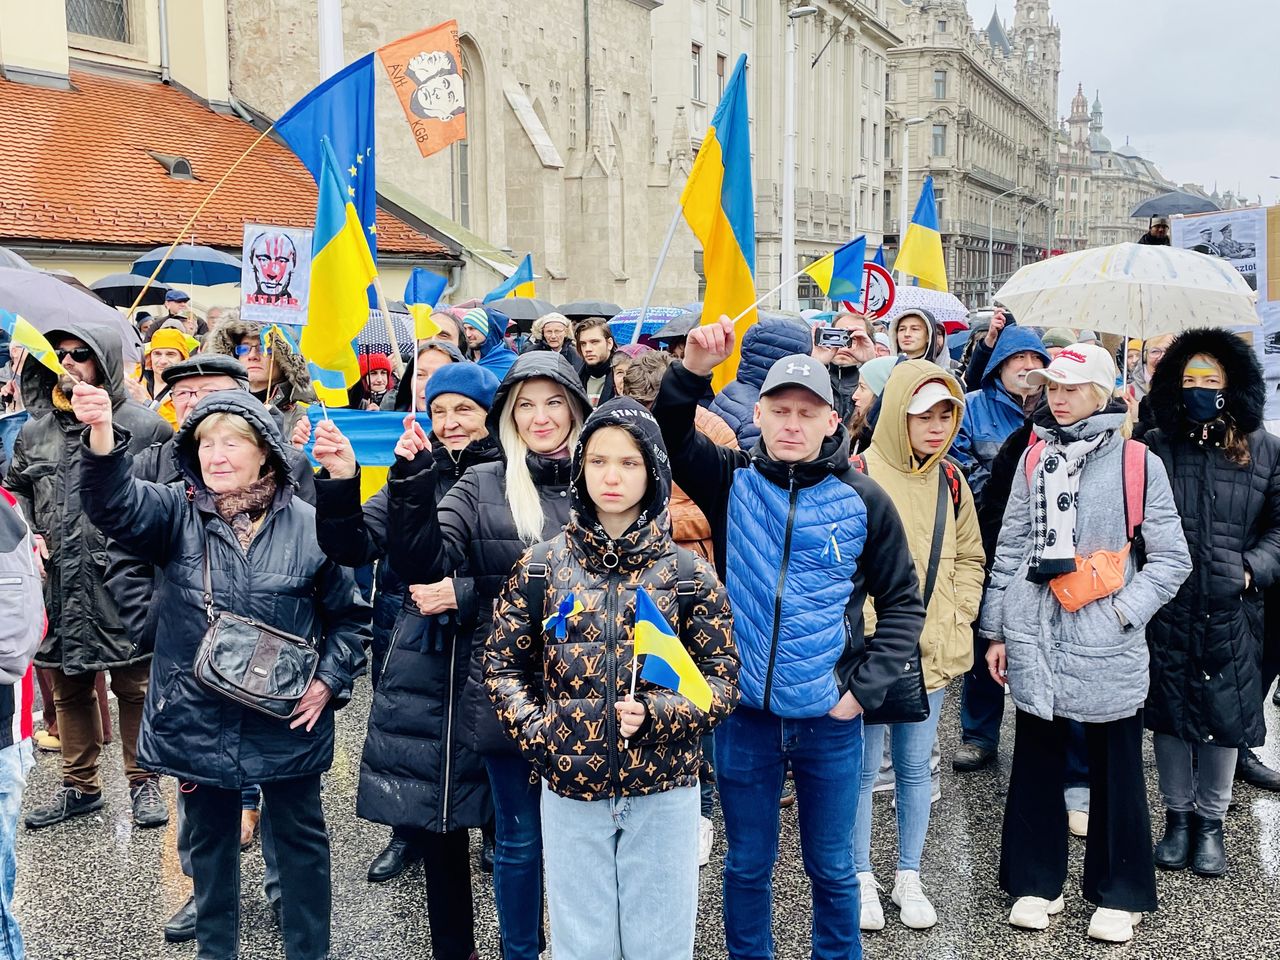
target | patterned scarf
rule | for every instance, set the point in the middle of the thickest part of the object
(243, 508)
(1055, 493)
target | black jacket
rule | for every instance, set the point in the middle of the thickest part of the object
(283, 580)
(884, 570)
(567, 350)
(86, 631)
(415, 770)
(1206, 644)
(844, 381)
(472, 534)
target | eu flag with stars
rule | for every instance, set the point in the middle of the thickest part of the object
(341, 109)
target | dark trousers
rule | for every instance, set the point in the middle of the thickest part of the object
(981, 702)
(79, 713)
(446, 868)
(292, 823)
(1270, 640)
(1119, 872)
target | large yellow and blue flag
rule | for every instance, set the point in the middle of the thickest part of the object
(421, 294)
(341, 270)
(920, 255)
(519, 284)
(839, 274)
(25, 335)
(373, 435)
(719, 205)
(666, 662)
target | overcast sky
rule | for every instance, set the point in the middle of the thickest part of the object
(1194, 85)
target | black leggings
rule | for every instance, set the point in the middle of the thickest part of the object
(446, 868)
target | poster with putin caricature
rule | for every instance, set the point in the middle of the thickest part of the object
(426, 71)
(275, 274)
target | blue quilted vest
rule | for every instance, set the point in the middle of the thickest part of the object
(790, 566)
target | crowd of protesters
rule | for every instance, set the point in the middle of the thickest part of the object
(855, 528)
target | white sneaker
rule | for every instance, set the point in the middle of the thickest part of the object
(908, 893)
(1078, 823)
(872, 912)
(1033, 913)
(706, 835)
(1113, 926)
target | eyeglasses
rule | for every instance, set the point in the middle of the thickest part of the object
(78, 354)
(1155, 353)
(244, 349)
(184, 394)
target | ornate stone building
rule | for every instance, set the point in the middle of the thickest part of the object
(1098, 185)
(986, 102)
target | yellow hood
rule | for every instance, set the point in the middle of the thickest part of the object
(890, 438)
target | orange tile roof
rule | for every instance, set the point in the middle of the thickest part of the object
(75, 168)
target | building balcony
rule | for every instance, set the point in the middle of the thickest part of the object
(989, 179)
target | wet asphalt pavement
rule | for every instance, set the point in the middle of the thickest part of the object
(97, 887)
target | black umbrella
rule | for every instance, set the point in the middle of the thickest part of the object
(121, 289)
(590, 308)
(1175, 201)
(524, 310)
(677, 328)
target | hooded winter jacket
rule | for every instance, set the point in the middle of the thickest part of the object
(86, 632)
(762, 344)
(932, 351)
(416, 770)
(471, 533)
(495, 356)
(292, 388)
(1091, 665)
(946, 645)
(992, 413)
(1206, 644)
(282, 579)
(801, 546)
(556, 693)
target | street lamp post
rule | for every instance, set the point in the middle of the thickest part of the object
(991, 242)
(853, 203)
(1022, 220)
(907, 124)
(787, 296)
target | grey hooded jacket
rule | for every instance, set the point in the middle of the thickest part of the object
(1088, 665)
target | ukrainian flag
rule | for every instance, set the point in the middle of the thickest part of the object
(666, 662)
(720, 207)
(839, 273)
(373, 435)
(519, 284)
(920, 255)
(421, 294)
(341, 270)
(22, 333)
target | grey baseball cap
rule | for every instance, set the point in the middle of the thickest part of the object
(799, 370)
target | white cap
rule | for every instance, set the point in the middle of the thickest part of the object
(1078, 363)
(928, 395)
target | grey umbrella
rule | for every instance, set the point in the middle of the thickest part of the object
(10, 259)
(678, 327)
(50, 304)
(590, 308)
(121, 289)
(1175, 201)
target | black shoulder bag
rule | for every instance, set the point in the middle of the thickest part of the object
(252, 664)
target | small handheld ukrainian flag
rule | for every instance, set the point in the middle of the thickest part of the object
(519, 284)
(25, 335)
(839, 273)
(421, 294)
(921, 253)
(666, 662)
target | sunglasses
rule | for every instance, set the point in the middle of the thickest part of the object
(78, 354)
(244, 349)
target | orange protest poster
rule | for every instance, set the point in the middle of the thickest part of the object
(426, 70)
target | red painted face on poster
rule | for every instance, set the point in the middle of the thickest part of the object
(273, 259)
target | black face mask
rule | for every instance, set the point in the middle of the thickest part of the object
(1203, 404)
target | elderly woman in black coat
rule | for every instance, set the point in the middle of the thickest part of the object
(1205, 701)
(235, 510)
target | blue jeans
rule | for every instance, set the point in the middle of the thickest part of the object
(517, 856)
(753, 748)
(622, 875)
(913, 786)
(15, 761)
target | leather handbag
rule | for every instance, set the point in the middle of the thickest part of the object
(252, 664)
(907, 700)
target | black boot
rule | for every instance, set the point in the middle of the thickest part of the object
(181, 927)
(397, 857)
(1210, 859)
(1174, 849)
(1256, 773)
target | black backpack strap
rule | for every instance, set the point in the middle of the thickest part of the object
(538, 571)
(686, 589)
(939, 533)
(952, 471)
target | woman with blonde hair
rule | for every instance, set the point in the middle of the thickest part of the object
(478, 530)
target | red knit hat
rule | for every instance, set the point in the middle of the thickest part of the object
(374, 361)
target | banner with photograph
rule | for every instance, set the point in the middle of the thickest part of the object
(1248, 239)
(275, 274)
(426, 71)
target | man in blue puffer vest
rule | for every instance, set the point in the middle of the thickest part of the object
(763, 344)
(801, 541)
(1003, 404)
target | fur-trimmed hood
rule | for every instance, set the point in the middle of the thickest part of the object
(224, 336)
(1246, 391)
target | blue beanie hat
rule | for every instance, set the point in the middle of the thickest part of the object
(468, 379)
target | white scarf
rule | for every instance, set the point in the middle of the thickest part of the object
(1055, 494)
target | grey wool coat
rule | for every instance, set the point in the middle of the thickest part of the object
(1087, 665)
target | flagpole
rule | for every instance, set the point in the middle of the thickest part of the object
(635, 661)
(397, 363)
(794, 276)
(653, 281)
(192, 219)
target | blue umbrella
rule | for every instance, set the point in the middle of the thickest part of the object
(189, 264)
